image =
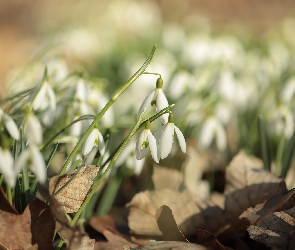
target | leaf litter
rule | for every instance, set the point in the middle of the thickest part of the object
(175, 215)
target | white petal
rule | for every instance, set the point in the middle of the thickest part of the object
(146, 103)
(137, 166)
(180, 138)
(39, 100)
(76, 128)
(89, 142)
(153, 146)
(207, 133)
(37, 164)
(101, 145)
(22, 160)
(140, 152)
(221, 140)
(11, 127)
(166, 140)
(162, 103)
(81, 90)
(33, 129)
(6, 167)
(51, 97)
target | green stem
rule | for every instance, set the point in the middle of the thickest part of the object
(89, 196)
(279, 156)
(105, 109)
(9, 195)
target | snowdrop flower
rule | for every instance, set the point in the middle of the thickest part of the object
(6, 167)
(95, 138)
(45, 98)
(33, 129)
(146, 140)
(46, 103)
(34, 159)
(9, 124)
(128, 157)
(165, 136)
(211, 128)
(157, 99)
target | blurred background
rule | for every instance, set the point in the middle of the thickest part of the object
(229, 66)
(25, 26)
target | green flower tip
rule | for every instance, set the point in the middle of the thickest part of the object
(148, 125)
(159, 83)
(171, 118)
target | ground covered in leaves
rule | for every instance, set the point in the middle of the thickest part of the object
(254, 211)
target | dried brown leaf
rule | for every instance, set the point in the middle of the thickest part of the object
(75, 187)
(193, 168)
(209, 240)
(248, 184)
(275, 204)
(144, 205)
(161, 181)
(34, 227)
(276, 230)
(115, 238)
(168, 226)
(74, 237)
(190, 212)
(172, 245)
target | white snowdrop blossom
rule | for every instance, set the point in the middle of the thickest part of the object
(7, 167)
(34, 159)
(95, 138)
(9, 124)
(165, 137)
(33, 129)
(46, 103)
(211, 128)
(128, 157)
(45, 98)
(157, 99)
(146, 140)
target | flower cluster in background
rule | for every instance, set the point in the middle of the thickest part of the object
(220, 82)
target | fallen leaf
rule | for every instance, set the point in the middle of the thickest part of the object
(74, 187)
(161, 181)
(168, 226)
(276, 230)
(195, 165)
(247, 184)
(144, 205)
(275, 204)
(171, 245)
(35, 227)
(114, 238)
(209, 240)
(74, 237)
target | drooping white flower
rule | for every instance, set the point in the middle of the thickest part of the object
(213, 128)
(165, 137)
(33, 157)
(46, 103)
(33, 129)
(146, 140)
(7, 168)
(9, 124)
(128, 157)
(157, 99)
(45, 98)
(95, 138)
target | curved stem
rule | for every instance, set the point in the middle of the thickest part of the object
(95, 187)
(106, 107)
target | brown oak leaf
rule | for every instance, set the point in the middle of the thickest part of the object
(33, 228)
